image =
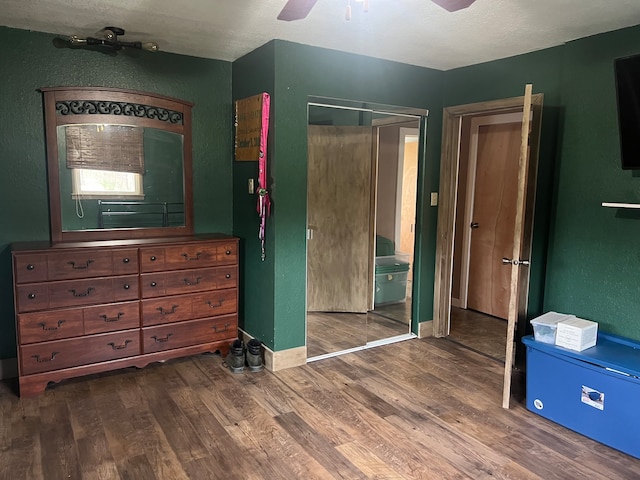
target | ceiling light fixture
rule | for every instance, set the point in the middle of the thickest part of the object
(108, 37)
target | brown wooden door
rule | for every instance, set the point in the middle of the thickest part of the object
(531, 107)
(338, 216)
(494, 211)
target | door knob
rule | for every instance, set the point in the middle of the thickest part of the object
(508, 261)
(474, 225)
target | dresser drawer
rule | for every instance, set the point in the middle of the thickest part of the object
(216, 302)
(193, 332)
(167, 310)
(41, 296)
(111, 317)
(187, 281)
(189, 255)
(71, 264)
(44, 357)
(45, 326)
(188, 307)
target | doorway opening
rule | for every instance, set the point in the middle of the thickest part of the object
(485, 213)
(514, 259)
(362, 184)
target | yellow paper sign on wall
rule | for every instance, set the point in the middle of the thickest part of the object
(248, 128)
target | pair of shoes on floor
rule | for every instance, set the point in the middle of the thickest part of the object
(239, 356)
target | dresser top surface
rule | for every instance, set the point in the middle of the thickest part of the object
(142, 242)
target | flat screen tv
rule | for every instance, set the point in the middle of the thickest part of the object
(627, 74)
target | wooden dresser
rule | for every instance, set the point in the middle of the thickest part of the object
(89, 307)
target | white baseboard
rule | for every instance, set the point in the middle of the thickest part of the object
(425, 329)
(274, 361)
(8, 368)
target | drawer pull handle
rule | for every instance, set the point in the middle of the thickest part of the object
(215, 328)
(187, 257)
(125, 260)
(167, 312)
(111, 319)
(153, 258)
(192, 282)
(162, 339)
(215, 305)
(50, 329)
(82, 294)
(153, 284)
(228, 252)
(228, 275)
(126, 286)
(119, 347)
(31, 296)
(82, 266)
(31, 266)
(45, 360)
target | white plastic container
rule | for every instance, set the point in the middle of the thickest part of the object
(545, 326)
(576, 334)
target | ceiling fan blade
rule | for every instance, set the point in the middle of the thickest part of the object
(453, 5)
(296, 9)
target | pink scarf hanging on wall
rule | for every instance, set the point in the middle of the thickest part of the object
(264, 202)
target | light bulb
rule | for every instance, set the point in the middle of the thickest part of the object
(150, 46)
(348, 14)
(76, 40)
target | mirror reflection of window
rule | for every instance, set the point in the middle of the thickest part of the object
(86, 183)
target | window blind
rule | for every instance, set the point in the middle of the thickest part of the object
(116, 148)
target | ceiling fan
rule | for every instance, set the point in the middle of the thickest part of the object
(299, 9)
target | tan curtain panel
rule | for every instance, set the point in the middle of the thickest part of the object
(105, 147)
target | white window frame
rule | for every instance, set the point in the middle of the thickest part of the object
(78, 193)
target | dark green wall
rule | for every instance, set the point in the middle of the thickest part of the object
(30, 61)
(504, 79)
(585, 258)
(593, 268)
(253, 74)
(275, 290)
(302, 71)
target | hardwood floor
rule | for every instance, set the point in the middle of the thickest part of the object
(482, 333)
(333, 332)
(419, 409)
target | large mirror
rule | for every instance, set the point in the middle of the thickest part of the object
(362, 178)
(119, 164)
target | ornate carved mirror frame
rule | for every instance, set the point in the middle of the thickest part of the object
(96, 106)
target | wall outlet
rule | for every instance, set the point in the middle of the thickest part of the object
(434, 199)
(251, 186)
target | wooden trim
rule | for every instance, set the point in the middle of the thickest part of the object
(31, 385)
(425, 329)
(523, 172)
(449, 163)
(52, 121)
(113, 94)
(282, 359)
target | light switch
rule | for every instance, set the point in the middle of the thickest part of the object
(251, 187)
(434, 199)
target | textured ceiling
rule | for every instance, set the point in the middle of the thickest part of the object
(416, 32)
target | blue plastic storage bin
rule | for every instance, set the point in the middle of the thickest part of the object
(391, 272)
(595, 392)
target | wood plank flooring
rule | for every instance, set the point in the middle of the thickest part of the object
(418, 409)
(482, 333)
(329, 332)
